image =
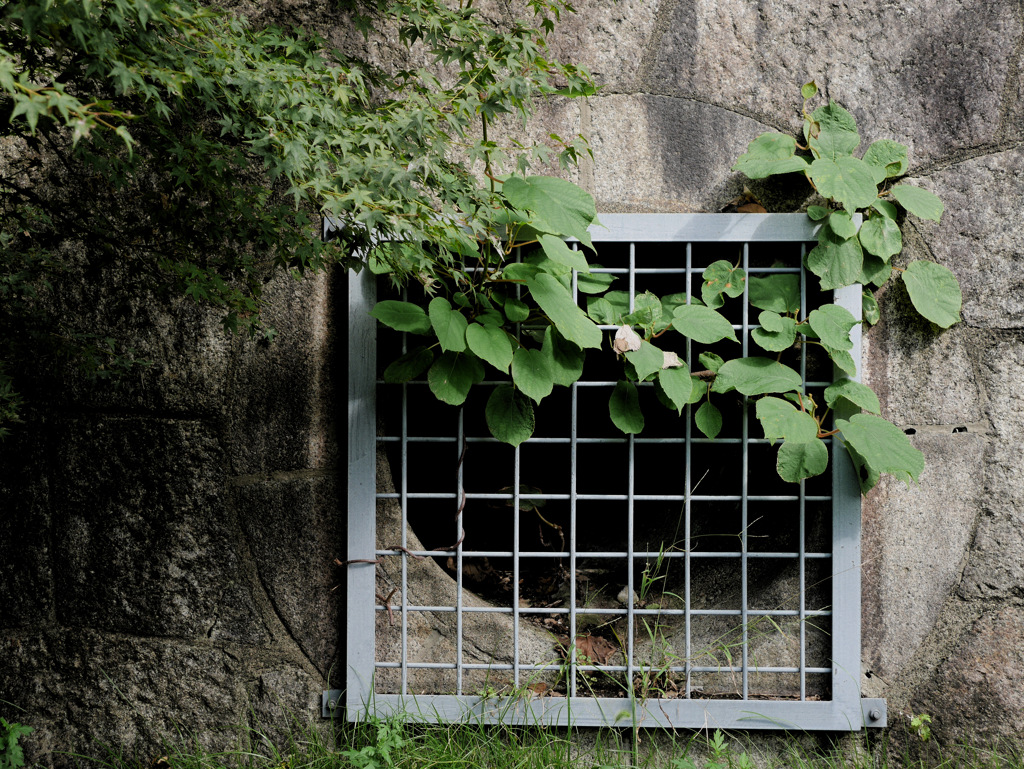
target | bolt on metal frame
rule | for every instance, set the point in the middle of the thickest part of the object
(843, 709)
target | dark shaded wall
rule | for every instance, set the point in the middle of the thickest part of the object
(167, 546)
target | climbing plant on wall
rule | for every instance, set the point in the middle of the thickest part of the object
(470, 322)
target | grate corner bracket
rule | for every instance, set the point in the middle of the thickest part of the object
(333, 700)
(875, 713)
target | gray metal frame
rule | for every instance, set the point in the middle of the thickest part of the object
(846, 711)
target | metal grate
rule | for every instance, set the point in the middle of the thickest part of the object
(599, 579)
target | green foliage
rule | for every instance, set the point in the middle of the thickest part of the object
(179, 146)
(853, 185)
(919, 725)
(11, 754)
(520, 317)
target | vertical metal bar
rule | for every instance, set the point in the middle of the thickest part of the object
(404, 499)
(803, 502)
(630, 545)
(687, 504)
(846, 552)
(515, 566)
(744, 512)
(362, 490)
(459, 526)
(573, 412)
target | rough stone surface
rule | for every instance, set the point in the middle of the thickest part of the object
(976, 694)
(653, 153)
(912, 561)
(975, 238)
(185, 349)
(285, 704)
(996, 565)
(1013, 98)
(295, 531)
(281, 415)
(902, 68)
(923, 375)
(609, 39)
(140, 532)
(92, 690)
(26, 578)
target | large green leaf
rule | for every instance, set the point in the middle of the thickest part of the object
(402, 316)
(452, 375)
(646, 360)
(778, 293)
(711, 361)
(882, 446)
(624, 407)
(756, 376)
(509, 415)
(801, 460)
(781, 420)
(836, 261)
(602, 311)
(708, 419)
(875, 270)
(832, 324)
(410, 365)
(869, 308)
(889, 156)
(677, 386)
(557, 304)
(777, 333)
(564, 358)
(867, 476)
(722, 277)
(860, 395)
(881, 236)
(449, 325)
(594, 282)
(516, 310)
(531, 371)
(560, 207)
(769, 154)
(934, 291)
(886, 209)
(842, 224)
(843, 360)
(491, 344)
(847, 180)
(702, 324)
(918, 201)
(646, 310)
(837, 134)
(557, 250)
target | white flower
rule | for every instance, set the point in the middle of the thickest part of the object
(671, 360)
(626, 340)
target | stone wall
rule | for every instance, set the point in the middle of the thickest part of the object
(167, 546)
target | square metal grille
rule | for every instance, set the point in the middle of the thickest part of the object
(592, 578)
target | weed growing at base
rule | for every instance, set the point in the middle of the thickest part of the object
(397, 744)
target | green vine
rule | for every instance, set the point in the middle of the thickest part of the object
(473, 319)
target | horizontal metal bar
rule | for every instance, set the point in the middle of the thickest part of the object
(609, 384)
(618, 612)
(637, 554)
(604, 497)
(527, 710)
(704, 228)
(683, 270)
